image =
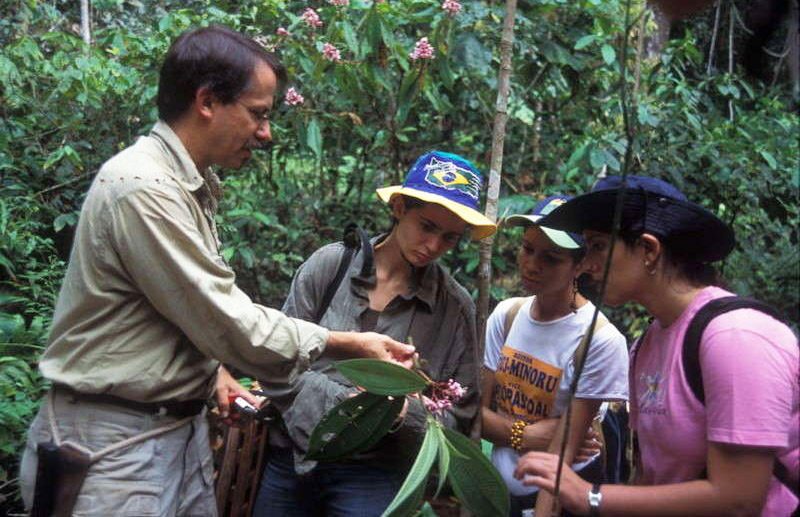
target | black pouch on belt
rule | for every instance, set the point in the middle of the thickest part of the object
(59, 477)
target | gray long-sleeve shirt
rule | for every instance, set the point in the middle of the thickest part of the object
(437, 314)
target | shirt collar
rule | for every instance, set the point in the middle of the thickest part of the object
(423, 280)
(185, 170)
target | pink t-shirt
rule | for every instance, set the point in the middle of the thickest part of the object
(750, 378)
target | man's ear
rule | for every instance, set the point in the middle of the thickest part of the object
(204, 102)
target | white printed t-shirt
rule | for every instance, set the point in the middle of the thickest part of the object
(534, 369)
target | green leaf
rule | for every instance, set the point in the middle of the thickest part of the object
(773, 163)
(227, 253)
(409, 497)
(597, 158)
(248, 257)
(381, 377)
(265, 219)
(427, 510)
(577, 155)
(475, 481)
(381, 137)
(353, 425)
(65, 220)
(585, 41)
(609, 55)
(10, 324)
(350, 37)
(314, 138)
(444, 458)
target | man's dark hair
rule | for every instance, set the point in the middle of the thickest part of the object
(215, 57)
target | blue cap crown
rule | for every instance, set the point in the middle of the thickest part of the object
(447, 175)
(548, 204)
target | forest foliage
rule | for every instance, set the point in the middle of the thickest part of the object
(373, 99)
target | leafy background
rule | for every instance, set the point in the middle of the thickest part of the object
(67, 107)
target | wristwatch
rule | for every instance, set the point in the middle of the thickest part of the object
(595, 498)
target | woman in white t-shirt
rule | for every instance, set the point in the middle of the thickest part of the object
(529, 357)
(717, 434)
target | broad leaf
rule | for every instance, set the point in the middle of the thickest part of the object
(773, 163)
(444, 457)
(585, 41)
(609, 55)
(409, 497)
(427, 511)
(314, 137)
(475, 481)
(381, 377)
(352, 426)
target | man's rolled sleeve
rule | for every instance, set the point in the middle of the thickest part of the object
(156, 235)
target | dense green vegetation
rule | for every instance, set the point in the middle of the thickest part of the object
(729, 141)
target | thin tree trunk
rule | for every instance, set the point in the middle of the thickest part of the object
(639, 51)
(793, 44)
(496, 167)
(659, 40)
(712, 50)
(731, 24)
(537, 144)
(86, 22)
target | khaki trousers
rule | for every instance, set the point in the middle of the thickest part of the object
(169, 475)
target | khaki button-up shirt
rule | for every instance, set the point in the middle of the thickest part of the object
(148, 307)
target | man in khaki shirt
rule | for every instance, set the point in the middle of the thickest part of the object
(149, 309)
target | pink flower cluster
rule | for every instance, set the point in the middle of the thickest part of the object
(452, 7)
(339, 3)
(282, 32)
(422, 50)
(443, 396)
(293, 97)
(331, 53)
(311, 18)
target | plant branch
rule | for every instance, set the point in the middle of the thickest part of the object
(64, 184)
(496, 167)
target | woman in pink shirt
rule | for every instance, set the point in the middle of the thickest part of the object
(737, 452)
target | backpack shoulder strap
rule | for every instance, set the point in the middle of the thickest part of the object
(583, 346)
(354, 237)
(694, 333)
(691, 356)
(511, 315)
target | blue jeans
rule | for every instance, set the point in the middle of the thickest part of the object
(330, 490)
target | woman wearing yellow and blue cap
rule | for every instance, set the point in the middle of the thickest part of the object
(404, 293)
(530, 353)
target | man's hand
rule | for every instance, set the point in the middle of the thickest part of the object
(371, 345)
(227, 388)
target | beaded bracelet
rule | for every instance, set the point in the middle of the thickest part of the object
(516, 434)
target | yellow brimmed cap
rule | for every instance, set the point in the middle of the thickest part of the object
(447, 180)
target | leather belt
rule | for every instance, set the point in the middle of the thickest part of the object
(175, 408)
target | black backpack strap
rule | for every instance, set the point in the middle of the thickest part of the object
(691, 357)
(354, 237)
(694, 333)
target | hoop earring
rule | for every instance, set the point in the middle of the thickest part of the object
(650, 271)
(574, 304)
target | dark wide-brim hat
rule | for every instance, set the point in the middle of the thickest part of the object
(650, 205)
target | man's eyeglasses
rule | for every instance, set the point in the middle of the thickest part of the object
(260, 116)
